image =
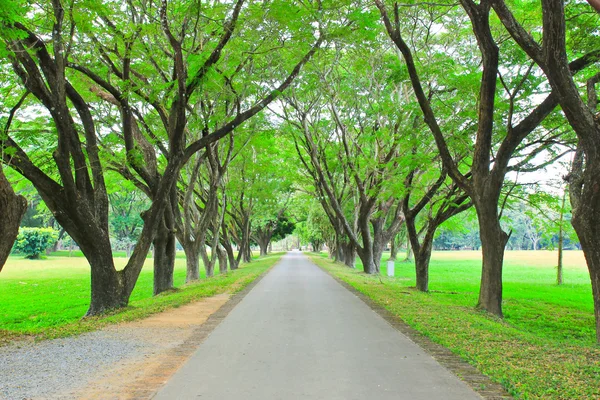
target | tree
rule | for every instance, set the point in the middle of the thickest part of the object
(480, 173)
(13, 208)
(34, 241)
(552, 56)
(75, 189)
(355, 145)
(441, 204)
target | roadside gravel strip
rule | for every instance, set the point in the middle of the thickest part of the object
(50, 368)
(112, 363)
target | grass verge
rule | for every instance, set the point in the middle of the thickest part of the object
(50, 304)
(539, 351)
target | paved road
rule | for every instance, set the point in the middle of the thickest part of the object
(300, 335)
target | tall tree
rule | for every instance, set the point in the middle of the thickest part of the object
(352, 146)
(494, 148)
(552, 56)
(78, 196)
(13, 208)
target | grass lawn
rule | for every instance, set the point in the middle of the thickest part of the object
(47, 298)
(545, 346)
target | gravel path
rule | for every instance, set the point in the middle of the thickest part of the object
(49, 368)
(109, 363)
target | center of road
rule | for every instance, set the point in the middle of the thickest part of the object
(300, 335)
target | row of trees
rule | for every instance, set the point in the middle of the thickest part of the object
(387, 116)
(145, 90)
(442, 111)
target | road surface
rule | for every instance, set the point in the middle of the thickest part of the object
(300, 335)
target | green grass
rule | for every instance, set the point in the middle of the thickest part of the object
(79, 253)
(545, 346)
(47, 298)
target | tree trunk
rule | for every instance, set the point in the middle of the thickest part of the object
(378, 248)
(369, 266)
(559, 267)
(109, 290)
(233, 262)
(247, 253)
(245, 245)
(493, 241)
(366, 256)
(336, 250)
(263, 243)
(339, 255)
(349, 254)
(422, 259)
(588, 233)
(209, 262)
(222, 255)
(13, 208)
(586, 221)
(164, 256)
(409, 251)
(422, 251)
(394, 249)
(422, 270)
(192, 260)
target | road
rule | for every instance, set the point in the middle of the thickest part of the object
(301, 335)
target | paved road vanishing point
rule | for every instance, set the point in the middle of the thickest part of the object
(299, 334)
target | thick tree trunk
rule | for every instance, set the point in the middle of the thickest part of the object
(422, 251)
(586, 221)
(369, 265)
(422, 259)
(222, 255)
(247, 253)
(226, 242)
(233, 261)
(339, 255)
(493, 241)
(378, 248)
(336, 251)
(209, 262)
(317, 246)
(164, 256)
(368, 261)
(422, 270)
(349, 254)
(245, 245)
(109, 290)
(263, 243)
(13, 208)
(192, 260)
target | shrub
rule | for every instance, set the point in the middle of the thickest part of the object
(34, 241)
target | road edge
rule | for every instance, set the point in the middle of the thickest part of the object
(467, 373)
(167, 368)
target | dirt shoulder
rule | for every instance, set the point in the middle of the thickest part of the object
(129, 360)
(173, 336)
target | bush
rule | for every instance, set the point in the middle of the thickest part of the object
(34, 241)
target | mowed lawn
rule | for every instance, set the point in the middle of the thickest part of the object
(50, 296)
(544, 348)
(531, 300)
